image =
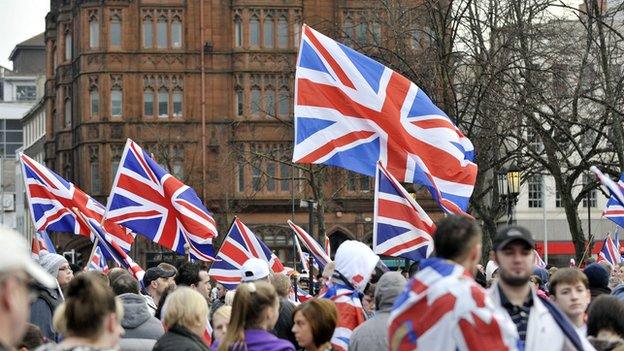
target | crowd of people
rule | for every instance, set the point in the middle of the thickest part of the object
(446, 302)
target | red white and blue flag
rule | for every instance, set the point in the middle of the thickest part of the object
(317, 251)
(537, 261)
(351, 111)
(207, 336)
(239, 245)
(614, 209)
(97, 261)
(41, 243)
(302, 295)
(52, 198)
(350, 314)
(401, 227)
(609, 252)
(153, 203)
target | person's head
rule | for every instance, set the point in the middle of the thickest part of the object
(387, 289)
(220, 321)
(514, 250)
(355, 262)
(255, 306)
(168, 267)
(229, 297)
(281, 282)
(187, 308)
(314, 322)
(18, 274)
(125, 284)
(598, 278)
(32, 339)
(535, 281)
(458, 239)
(57, 266)
(569, 289)
(255, 269)
(115, 272)
(606, 316)
(221, 290)
(90, 312)
(156, 280)
(328, 271)
(194, 275)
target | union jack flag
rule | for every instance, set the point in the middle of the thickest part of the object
(401, 227)
(351, 111)
(207, 336)
(614, 209)
(350, 313)
(239, 245)
(97, 261)
(151, 202)
(538, 262)
(52, 198)
(302, 295)
(321, 257)
(443, 305)
(609, 252)
(41, 242)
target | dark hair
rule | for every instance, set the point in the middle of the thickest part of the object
(115, 273)
(161, 302)
(606, 312)
(32, 339)
(567, 276)
(453, 237)
(322, 316)
(88, 301)
(124, 284)
(413, 269)
(188, 273)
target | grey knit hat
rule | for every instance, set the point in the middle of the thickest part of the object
(51, 262)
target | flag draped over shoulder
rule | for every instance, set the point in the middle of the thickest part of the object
(351, 111)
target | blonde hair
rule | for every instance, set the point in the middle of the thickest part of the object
(223, 312)
(229, 297)
(185, 307)
(250, 301)
(281, 282)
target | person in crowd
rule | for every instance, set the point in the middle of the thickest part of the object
(115, 272)
(373, 334)
(90, 317)
(598, 278)
(328, 272)
(536, 283)
(156, 280)
(18, 276)
(163, 299)
(605, 323)
(254, 312)
(444, 287)
(283, 327)
(219, 299)
(569, 289)
(413, 269)
(536, 318)
(141, 328)
(315, 322)
(229, 298)
(31, 340)
(168, 267)
(368, 304)
(185, 319)
(616, 276)
(42, 309)
(194, 275)
(355, 263)
(220, 321)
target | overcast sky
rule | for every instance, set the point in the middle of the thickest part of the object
(19, 20)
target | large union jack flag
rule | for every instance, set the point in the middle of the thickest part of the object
(239, 245)
(614, 209)
(401, 227)
(52, 199)
(351, 111)
(609, 252)
(153, 203)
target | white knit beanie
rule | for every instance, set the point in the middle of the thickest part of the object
(51, 262)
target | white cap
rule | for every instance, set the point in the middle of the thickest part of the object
(15, 255)
(356, 262)
(254, 269)
(490, 268)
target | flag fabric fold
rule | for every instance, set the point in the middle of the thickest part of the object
(97, 261)
(609, 252)
(614, 210)
(317, 251)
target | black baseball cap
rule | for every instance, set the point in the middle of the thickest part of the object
(513, 233)
(156, 272)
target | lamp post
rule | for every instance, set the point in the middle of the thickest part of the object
(509, 188)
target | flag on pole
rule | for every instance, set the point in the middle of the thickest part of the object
(97, 261)
(538, 262)
(312, 245)
(614, 209)
(302, 295)
(303, 258)
(401, 227)
(609, 252)
(239, 245)
(153, 203)
(351, 111)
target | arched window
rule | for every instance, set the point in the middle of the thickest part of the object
(239, 101)
(238, 32)
(177, 103)
(68, 46)
(94, 97)
(116, 102)
(94, 32)
(161, 32)
(361, 31)
(347, 27)
(282, 33)
(163, 103)
(115, 31)
(284, 102)
(268, 32)
(68, 113)
(255, 100)
(176, 33)
(148, 32)
(269, 98)
(148, 103)
(254, 31)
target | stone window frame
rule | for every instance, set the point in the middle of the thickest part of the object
(253, 172)
(116, 85)
(95, 174)
(241, 18)
(169, 15)
(94, 87)
(264, 82)
(94, 17)
(171, 84)
(115, 15)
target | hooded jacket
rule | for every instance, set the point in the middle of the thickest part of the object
(137, 321)
(373, 334)
(179, 338)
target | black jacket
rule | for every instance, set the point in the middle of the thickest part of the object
(284, 325)
(180, 338)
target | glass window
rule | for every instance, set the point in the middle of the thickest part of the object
(361, 32)
(256, 174)
(163, 103)
(13, 124)
(297, 33)
(148, 33)
(161, 33)
(255, 100)
(285, 174)
(12, 148)
(239, 102)
(241, 175)
(269, 98)
(270, 185)
(68, 46)
(376, 32)
(94, 34)
(96, 184)
(68, 111)
(282, 33)
(347, 28)
(116, 102)
(254, 31)
(177, 103)
(114, 166)
(94, 96)
(176, 33)
(238, 32)
(535, 191)
(268, 32)
(14, 137)
(26, 92)
(284, 102)
(115, 32)
(592, 193)
(148, 103)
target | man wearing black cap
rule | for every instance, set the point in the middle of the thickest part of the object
(540, 325)
(156, 281)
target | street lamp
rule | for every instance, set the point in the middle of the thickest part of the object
(509, 188)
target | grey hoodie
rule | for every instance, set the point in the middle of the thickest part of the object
(137, 320)
(373, 334)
